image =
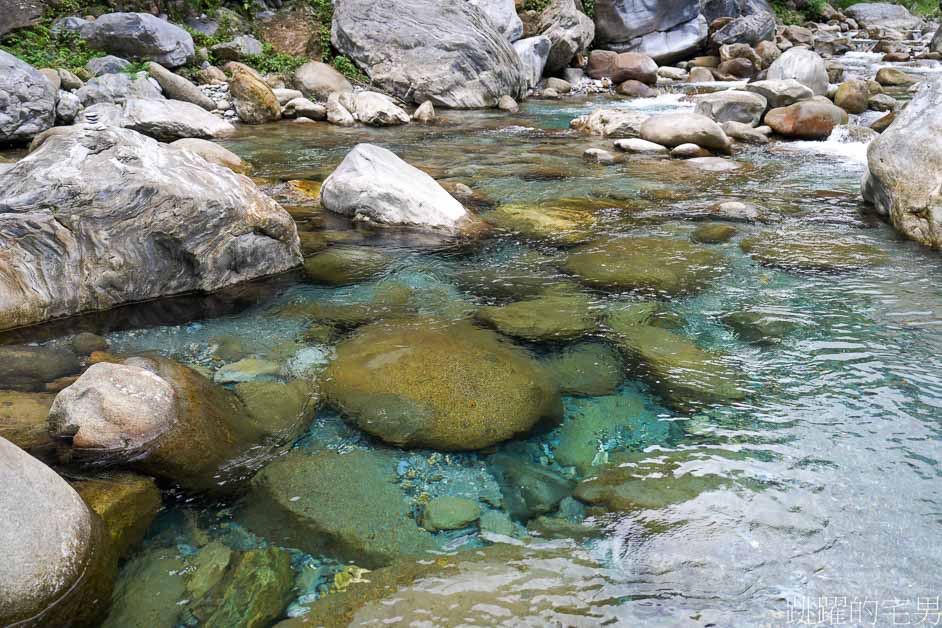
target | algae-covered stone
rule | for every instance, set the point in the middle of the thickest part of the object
(529, 489)
(685, 375)
(713, 233)
(644, 313)
(649, 264)
(760, 326)
(207, 568)
(640, 481)
(592, 423)
(255, 590)
(589, 369)
(23, 419)
(561, 225)
(450, 513)
(343, 505)
(389, 301)
(496, 522)
(278, 409)
(148, 591)
(127, 503)
(550, 317)
(526, 275)
(449, 386)
(340, 266)
(806, 250)
(30, 368)
(247, 370)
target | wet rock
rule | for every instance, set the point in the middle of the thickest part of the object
(379, 110)
(254, 101)
(806, 250)
(450, 513)
(529, 489)
(674, 129)
(882, 102)
(279, 410)
(533, 52)
(23, 420)
(169, 120)
(157, 416)
(343, 505)
(318, 81)
(372, 183)
(802, 65)
(29, 368)
(891, 77)
(108, 64)
(496, 522)
(86, 343)
(610, 123)
(425, 113)
(745, 133)
(594, 422)
(148, 591)
(118, 89)
(810, 119)
(852, 96)
(684, 374)
(589, 369)
(569, 30)
(140, 36)
(543, 222)
(689, 151)
(903, 179)
(337, 113)
(760, 326)
(437, 385)
(127, 504)
(149, 202)
(27, 100)
(646, 264)
(598, 156)
(344, 265)
(454, 57)
(211, 152)
(237, 49)
(549, 318)
(732, 106)
(248, 370)
(636, 89)
(178, 88)
(713, 233)
(58, 562)
(639, 146)
(647, 481)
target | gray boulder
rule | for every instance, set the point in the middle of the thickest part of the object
(503, 13)
(453, 56)
(169, 120)
(732, 106)
(140, 36)
(20, 14)
(83, 214)
(533, 52)
(304, 108)
(674, 129)
(569, 30)
(905, 168)
(238, 48)
(67, 107)
(883, 15)
(71, 23)
(58, 567)
(27, 100)
(379, 110)
(118, 88)
(750, 29)
(665, 47)
(318, 81)
(617, 22)
(372, 183)
(109, 64)
(805, 66)
(781, 93)
(178, 88)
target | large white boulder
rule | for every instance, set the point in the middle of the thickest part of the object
(533, 52)
(805, 66)
(503, 13)
(27, 100)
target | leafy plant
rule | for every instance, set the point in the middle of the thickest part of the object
(39, 47)
(348, 68)
(535, 5)
(275, 62)
(589, 7)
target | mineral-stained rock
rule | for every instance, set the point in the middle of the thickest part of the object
(127, 503)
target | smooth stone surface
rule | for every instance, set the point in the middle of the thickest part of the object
(810, 119)
(379, 110)
(450, 513)
(544, 222)
(23, 420)
(211, 152)
(118, 88)
(713, 233)
(674, 129)
(318, 81)
(344, 265)
(640, 147)
(803, 65)
(446, 386)
(127, 504)
(178, 88)
(503, 15)
(108, 64)
(254, 101)
(529, 489)
(533, 52)
(806, 250)
(169, 120)
(761, 326)
(549, 318)
(140, 36)
(610, 123)
(732, 106)
(589, 369)
(30, 368)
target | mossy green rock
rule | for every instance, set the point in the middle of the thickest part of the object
(23, 420)
(805, 250)
(148, 591)
(684, 374)
(588, 369)
(529, 274)
(529, 489)
(343, 505)
(641, 481)
(651, 313)
(593, 422)
(344, 265)
(207, 569)
(763, 327)
(389, 301)
(277, 409)
(255, 590)
(436, 384)
(545, 318)
(450, 513)
(662, 266)
(126, 502)
(713, 233)
(560, 225)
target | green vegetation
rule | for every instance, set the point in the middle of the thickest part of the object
(275, 62)
(39, 47)
(324, 15)
(535, 5)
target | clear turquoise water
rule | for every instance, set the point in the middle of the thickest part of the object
(832, 465)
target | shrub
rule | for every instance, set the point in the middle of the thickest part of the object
(39, 47)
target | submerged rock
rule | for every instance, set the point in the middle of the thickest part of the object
(589, 369)
(344, 265)
(30, 368)
(448, 386)
(127, 504)
(760, 326)
(807, 250)
(156, 416)
(455, 56)
(343, 505)
(529, 489)
(82, 214)
(649, 264)
(559, 225)
(373, 184)
(148, 591)
(450, 513)
(58, 562)
(23, 420)
(553, 317)
(713, 233)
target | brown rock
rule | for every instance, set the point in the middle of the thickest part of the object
(254, 101)
(809, 119)
(636, 89)
(292, 32)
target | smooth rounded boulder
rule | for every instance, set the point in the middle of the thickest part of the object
(318, 81)
(809, 119)
(151, 203)
(58, 565)
(27, 100)
(674, 129)
(732, 106)
(803, 65)
(140, 36)
(446, 386)
(372, 183)
(454, 56)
